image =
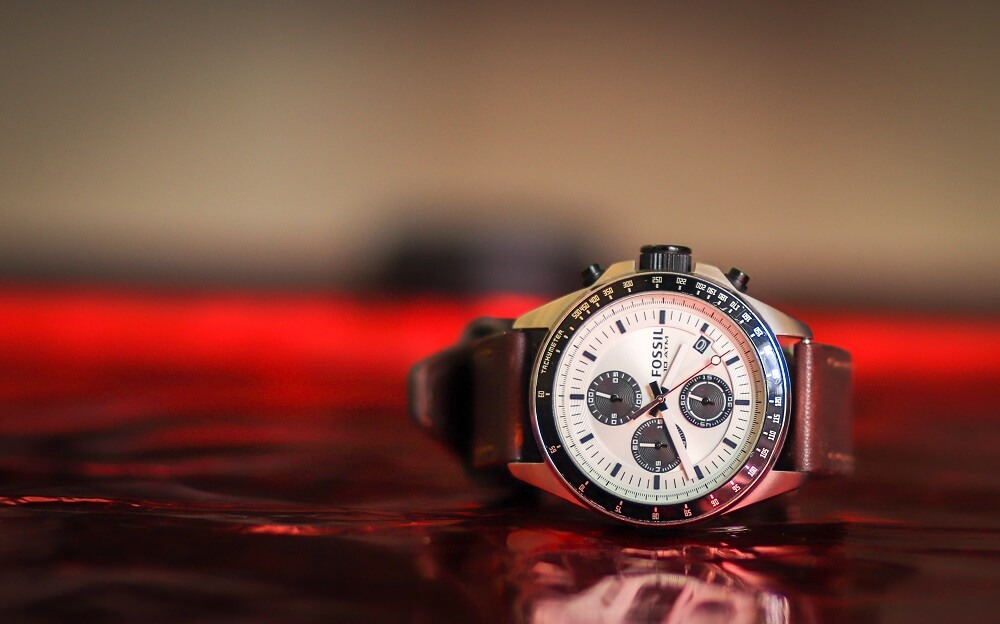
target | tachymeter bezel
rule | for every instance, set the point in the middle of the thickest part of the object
(776, 407)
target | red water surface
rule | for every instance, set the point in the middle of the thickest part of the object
(246, 456)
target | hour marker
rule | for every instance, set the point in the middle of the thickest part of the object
(614, 471)
(586, 438)
(590, 356)
(742, 402)
(729, 442)
(663, 317)
(704, 328)
(576, 397)
(656, 482)
(697, 472)
(732, 360)
(621, 327)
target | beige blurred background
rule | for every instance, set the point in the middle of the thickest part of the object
(846, 153)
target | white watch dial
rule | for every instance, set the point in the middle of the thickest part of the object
(667, 343)
(661, 398)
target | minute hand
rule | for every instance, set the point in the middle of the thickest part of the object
(667, 382)
(682, 455)
(691, 376)
(657, 388)
(660, 391)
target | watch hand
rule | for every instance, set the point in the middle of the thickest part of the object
(702, 400)
(657, 388)
(668, 423)
(675, 366)
(712, 361)
(655, 445)
(603, 395)
(657, 400)
(682, 454)
(660, 395)
(686, 464)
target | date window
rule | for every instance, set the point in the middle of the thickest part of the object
(701, 344)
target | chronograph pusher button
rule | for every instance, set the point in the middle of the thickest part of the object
(738, 279)
(591, 274)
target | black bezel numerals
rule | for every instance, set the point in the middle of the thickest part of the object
(775, 414)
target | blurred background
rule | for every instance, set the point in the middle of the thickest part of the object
(838, 154)
(228, 230)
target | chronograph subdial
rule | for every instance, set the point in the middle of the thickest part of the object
(652, 448)
(613, 397)
(706, 401)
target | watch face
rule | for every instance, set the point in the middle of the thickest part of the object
(661, 398)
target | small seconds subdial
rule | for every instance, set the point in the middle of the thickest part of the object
(652, 448)
(613, 397)
(706, 401)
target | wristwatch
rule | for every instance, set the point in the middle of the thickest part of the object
(659, 394)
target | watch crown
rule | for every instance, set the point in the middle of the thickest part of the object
(665, 258)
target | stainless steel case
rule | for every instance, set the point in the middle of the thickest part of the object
(548, 317)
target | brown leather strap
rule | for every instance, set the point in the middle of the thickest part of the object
(474, 396)
(820, 441)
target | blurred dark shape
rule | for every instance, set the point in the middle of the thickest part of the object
(482, 250)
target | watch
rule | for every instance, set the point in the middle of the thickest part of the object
(659, 394)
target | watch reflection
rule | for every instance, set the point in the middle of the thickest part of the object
(563, 578)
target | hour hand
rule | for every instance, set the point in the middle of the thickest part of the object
(653, 406)
(657, 394)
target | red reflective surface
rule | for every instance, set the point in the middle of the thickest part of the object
(247, 457)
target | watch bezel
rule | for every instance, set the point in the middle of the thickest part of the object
(776, 415)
